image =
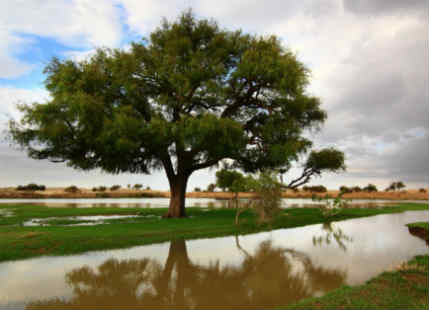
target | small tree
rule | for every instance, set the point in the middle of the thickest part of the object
(269, 192)
(232, 181)
(400, 185)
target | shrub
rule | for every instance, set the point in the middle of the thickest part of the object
(211, 187)
(72, 189)
(356, 189)
(31, 187)
(370, 188)
(422, 190)
(344, 189)
(197, 189)
(315, 189)
(99, 189)
(148, 188)
(115, 187)
(138, 186)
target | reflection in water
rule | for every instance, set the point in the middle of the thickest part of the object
(332, 232)
(273, 276)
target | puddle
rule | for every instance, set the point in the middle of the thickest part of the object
(264, 270)
(81, 220)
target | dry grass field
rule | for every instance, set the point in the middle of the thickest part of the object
(59, 192)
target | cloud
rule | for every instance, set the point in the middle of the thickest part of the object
(77, 23)
(369, 62)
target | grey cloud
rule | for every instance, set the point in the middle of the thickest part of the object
(379, 7)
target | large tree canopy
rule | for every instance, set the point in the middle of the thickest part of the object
(188, 97)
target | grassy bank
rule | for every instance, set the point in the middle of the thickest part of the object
(404, 288)
(17, 241)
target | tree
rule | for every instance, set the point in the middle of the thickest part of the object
(211, 187)
(188, 97)
(400, 185)
(370, 188)
(138, 186)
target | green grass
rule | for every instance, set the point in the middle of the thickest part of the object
(424, 225)
(406, 288)
(17, 242)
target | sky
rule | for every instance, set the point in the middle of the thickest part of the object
(369, 63)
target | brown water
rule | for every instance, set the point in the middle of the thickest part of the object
(265, 270)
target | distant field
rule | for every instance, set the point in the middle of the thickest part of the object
(58, 192)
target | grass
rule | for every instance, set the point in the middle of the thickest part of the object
(405, 288)
(18, 242)
(424, 225)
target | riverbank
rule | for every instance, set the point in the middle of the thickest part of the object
(18, 242)
(10, 193)
(406, 287)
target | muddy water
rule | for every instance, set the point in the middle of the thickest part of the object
(260, 270)
(163, 202)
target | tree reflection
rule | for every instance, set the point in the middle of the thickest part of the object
(332, 233)
(273, 276)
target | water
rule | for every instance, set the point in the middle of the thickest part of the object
(80, 220)
(163, 202)
(261, 270)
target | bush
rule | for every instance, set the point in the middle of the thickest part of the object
(315, 189)
(356, 189)
(99, 189)
(370, 188)
(148, 188)
(115, 187)
(138, 186)
(211, 187)
(422, 190)
(31, 187)
(345, 190)
(72, 189)
(197, 189)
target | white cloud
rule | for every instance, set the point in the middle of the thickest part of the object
(10, 96)
(77, 23)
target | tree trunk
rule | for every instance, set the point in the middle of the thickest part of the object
(177, 196)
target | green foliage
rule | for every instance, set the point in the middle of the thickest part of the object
(331, 207)
(115, 187)
(72, 189)
(394, 186)
(31, 187)
(99, 189)
(269, 193)
(192, 94)
(138, 186)
(211, 187)
(370, 188)
(315, 189)
(230, 180)
(197, 189)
